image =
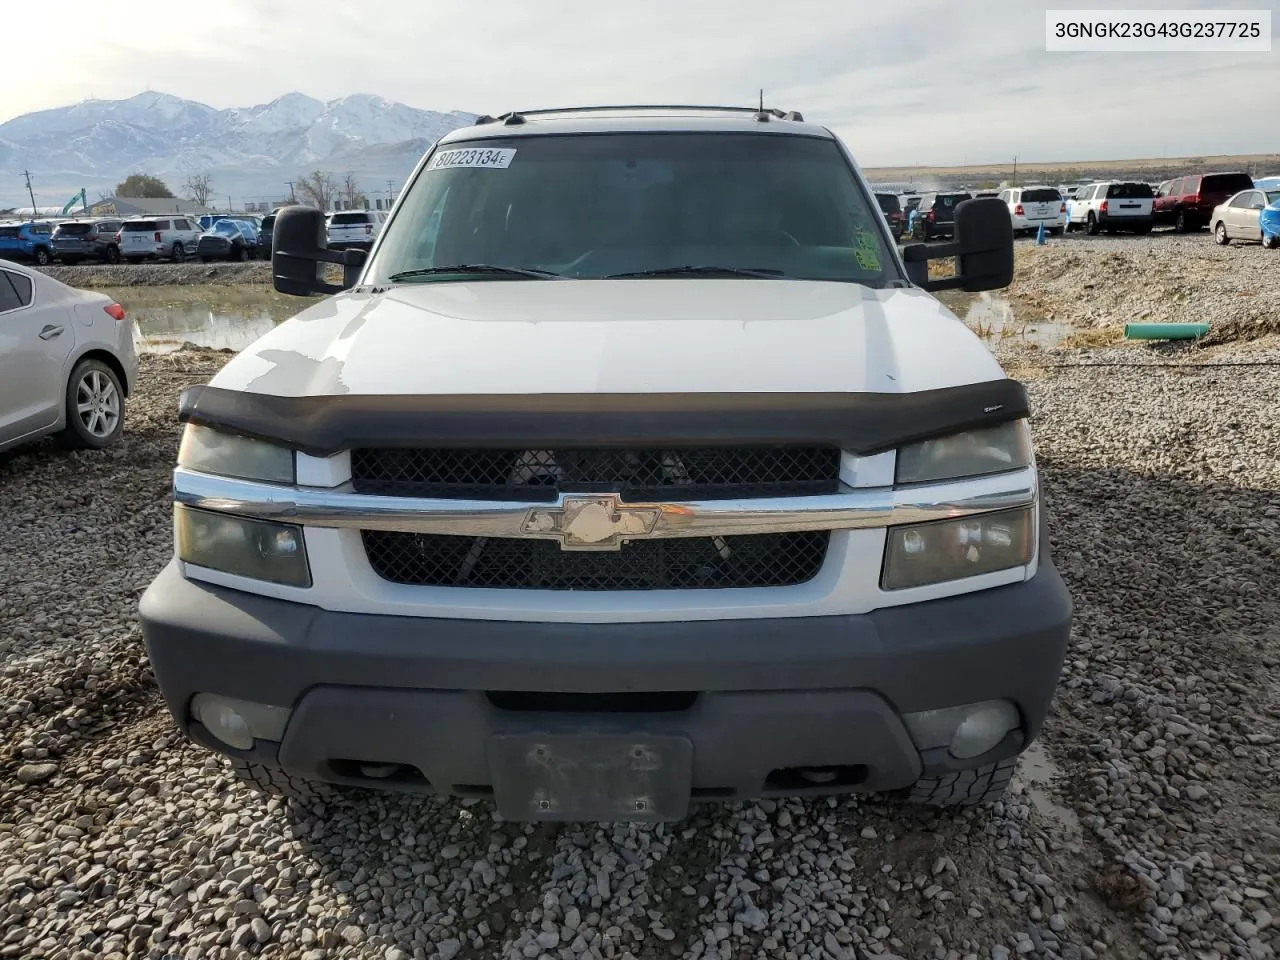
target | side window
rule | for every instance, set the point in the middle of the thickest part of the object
(182, 225)
(1188, 185)
(9, 299)
(164, 225)
(22, 286)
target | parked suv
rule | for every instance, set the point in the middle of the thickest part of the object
(264, 236)
(1033, 207)
(1111, 205)
(354, 229)
(1187, 203)
(77, 240)
(27, 241)
(172, 238)
(891, 207)
(636, 479)
(937, 214)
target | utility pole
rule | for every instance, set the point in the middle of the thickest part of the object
(229, 208)
(292, 198)
(1015, 170)
(30, 193)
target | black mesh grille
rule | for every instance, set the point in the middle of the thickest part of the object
(757, 560)
(698, 473)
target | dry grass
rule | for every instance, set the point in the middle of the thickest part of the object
(1094, 338)
(1025, 372)
(942, 268)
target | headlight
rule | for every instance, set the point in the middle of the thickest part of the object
(990, 450)
(227, 455)
(940, 550)
(259, 549)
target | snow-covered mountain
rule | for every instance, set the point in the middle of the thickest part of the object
(249, 151)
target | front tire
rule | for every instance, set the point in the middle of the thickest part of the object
(112, 255)
(275, 782)
(964, 788)
(1271, 242)
(1220, 234)
(41, 256)
(178, 254)
(94, 405)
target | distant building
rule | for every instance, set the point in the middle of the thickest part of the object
(145, 207)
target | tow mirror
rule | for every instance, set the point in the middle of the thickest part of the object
(300, 250)
(982, 247)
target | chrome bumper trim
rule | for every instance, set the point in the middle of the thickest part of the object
(610, 521)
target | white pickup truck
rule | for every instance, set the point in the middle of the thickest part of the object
(633, 466)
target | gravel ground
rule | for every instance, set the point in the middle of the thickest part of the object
(1145, 824)
(162, 274)
(1180, 278)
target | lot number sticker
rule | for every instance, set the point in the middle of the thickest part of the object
(473, 157)
(866, 251)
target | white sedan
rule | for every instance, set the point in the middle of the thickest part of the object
(67, 361)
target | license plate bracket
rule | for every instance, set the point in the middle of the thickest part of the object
(591, 776)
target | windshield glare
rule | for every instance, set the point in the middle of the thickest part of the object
(598, 205)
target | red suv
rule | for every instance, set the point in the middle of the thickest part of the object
(1188, 202)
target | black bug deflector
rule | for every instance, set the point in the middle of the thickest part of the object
(863, 423)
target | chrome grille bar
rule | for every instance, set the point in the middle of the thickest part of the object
(851, 509)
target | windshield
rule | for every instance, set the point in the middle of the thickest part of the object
(1273, 196)
(74, 229)
(600, 205)
(226, 228)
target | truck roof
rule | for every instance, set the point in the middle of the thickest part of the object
(638, 119)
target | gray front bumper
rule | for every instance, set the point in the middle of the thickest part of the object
(762, 695)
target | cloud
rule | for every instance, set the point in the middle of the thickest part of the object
(934, 82)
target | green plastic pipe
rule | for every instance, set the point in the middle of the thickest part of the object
(1165, 331)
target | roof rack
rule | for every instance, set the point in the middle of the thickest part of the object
(516, 117)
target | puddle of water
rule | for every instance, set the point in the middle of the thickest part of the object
(1037, 771)
(219, 317)
(994, 319)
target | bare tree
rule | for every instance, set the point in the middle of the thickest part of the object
(198, 187)
(350, 191)
(318, 189)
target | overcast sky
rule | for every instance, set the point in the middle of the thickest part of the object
(901, 81)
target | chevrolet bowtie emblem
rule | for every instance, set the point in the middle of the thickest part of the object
(594, 522)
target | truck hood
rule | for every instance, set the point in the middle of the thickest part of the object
(615, 336)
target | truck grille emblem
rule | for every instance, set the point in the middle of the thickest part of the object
(594, 522)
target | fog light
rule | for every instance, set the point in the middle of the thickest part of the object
(968, 731)
(983, 728)
(237, 723)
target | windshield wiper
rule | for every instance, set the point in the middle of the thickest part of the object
(763, 274)
(476, 268)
